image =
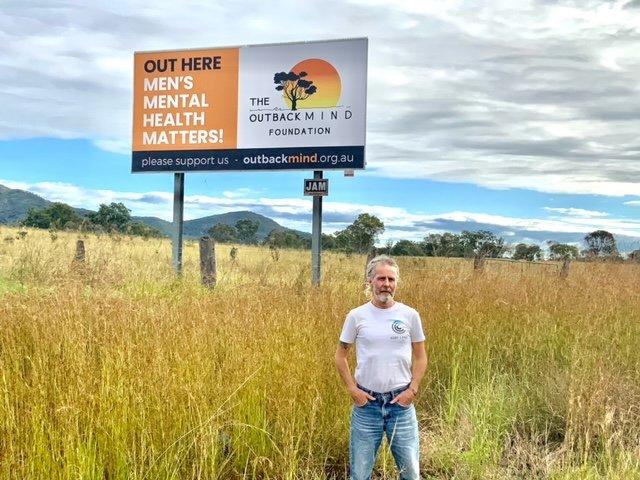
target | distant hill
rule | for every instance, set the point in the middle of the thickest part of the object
(155, 222)
(198, 227)
(14, 205)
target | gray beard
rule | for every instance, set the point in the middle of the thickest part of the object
(385, 297)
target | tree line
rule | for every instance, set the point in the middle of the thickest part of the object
(359, 237)
(485, 244)
(112, 218)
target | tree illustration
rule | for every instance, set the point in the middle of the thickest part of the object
(294, 87)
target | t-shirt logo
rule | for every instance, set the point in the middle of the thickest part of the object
(398, 327)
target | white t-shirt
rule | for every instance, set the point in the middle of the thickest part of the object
(383, 338)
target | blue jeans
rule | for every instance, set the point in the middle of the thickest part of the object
(378, 417)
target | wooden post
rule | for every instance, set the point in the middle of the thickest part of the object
(79, 251)
(370, 256)
(208, 262)
(564, 270)
(478, 263)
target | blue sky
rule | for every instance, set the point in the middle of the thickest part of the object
(519, 117)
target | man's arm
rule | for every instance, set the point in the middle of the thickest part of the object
(419, 365)
(342, 364)
(418, 369)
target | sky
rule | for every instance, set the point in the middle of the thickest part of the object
(519, 117)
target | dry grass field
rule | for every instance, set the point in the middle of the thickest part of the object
(114, 369)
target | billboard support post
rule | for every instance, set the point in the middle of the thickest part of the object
(178, 217)
(316, 236)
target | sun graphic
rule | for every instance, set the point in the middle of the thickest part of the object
(325, 78)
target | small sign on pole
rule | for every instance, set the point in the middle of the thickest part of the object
(316, 187)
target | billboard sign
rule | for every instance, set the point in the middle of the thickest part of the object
(259, 107)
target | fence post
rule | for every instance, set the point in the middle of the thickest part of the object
(371, 255)
(564, 270)
(208, 262)
(478, 263)
(80, 251)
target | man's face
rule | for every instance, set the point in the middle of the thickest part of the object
(383, 285)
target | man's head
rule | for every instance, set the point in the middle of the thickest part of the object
(383, 275)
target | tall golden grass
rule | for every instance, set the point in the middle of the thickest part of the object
(115, 369)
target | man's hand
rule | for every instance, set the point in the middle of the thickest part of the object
(405, 398)
(360, 397)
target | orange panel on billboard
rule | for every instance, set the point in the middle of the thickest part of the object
(186, 100)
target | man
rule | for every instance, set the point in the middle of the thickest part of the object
(391, 361)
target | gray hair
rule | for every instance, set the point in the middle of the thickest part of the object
(371, 270)
(380, 260)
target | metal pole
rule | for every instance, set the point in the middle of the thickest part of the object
(178, 210)
(316, 235)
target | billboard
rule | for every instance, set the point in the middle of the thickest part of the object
(258, 107)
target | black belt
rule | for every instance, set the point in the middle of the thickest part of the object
(379, 396)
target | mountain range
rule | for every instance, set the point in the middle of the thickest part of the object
(14, 205)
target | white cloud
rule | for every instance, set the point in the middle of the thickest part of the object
(15, 185)
(577, 212)
(238, 193)
(121, 146)
(499, 94)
